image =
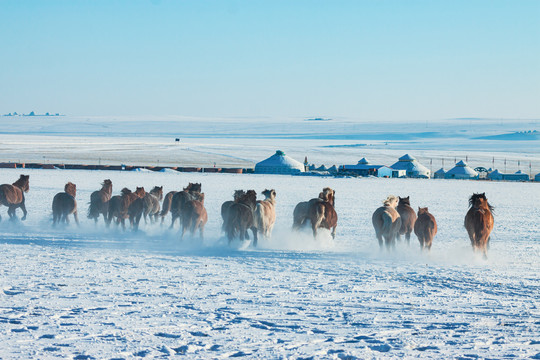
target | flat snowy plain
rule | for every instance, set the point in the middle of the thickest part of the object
(90, 292)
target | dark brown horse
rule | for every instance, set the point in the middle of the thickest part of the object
(301, 210)
(99, 201)
(194, 215)
(12, 196)
(425, 228)
(408, 218)
(387, 222)
(166, 207)
(64, 204)
(240, 218)
(265, 213)
(180, 199)
(129, 205)
(322, 213)
(479, 222)
(238, 194)
(151, 201)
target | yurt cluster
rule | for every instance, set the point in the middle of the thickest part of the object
(407, 166)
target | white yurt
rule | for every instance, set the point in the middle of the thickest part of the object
(412, 167)
(537, 177)
(461, 171)
(439, 174)
(279, 163)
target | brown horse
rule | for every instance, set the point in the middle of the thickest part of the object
(12, 196)
(240, 218)
(265, 213)
(301, 211)
(194, 215)
(322, 213)
(151, 201)
(387, 222)
(238, 194)
(129, 205)
(99, 201)
(180, 199)
(425, 228)
(166, 207)
(479, 222)
(408, 218)
(64, 204)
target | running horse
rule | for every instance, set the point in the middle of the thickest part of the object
(408, 218)
(479, 222)
(194, 215)
(265, 213)
(99, 201)
(322, 213)
(64, 204)
(12, 196)
(387, 222)
(240, 217)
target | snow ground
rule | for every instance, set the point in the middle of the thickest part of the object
(92, 292)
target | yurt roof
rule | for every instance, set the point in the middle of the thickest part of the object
(407, 157)
(462, 168)
(363, 161)
(279, 159)
(440, 171)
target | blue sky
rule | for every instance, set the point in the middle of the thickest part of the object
(369, 60)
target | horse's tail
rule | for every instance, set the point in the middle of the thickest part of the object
(93, 208)
(231, 225)
(166, 204)
(320, 211)
(259, 217)
(387, 223)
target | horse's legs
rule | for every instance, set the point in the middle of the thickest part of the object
(334, 232)
(23, 208)
(408, 237)
(173, 220)
(76, 218)
(255, 240)
(380, 238)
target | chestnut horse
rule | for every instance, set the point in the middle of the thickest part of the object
(425, 228)
(180, 199)
(479, 222)
(64, 204)
(322, 213)
(129, 205)
(240, 218)
(265, 213)
(12, 196)
(301, 211)
(238, 194)
(387, 222)
(166, 206)
(408, 218)
(194, 215)
(151, 201)
(99, 201)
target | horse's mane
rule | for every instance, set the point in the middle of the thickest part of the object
(391, 200)
(250, 197)
(157, 190)
(476, 196)
(270, 194)
(238, 194)
(404, 200)
(125, 191)
(106, 183)
(423, 210)
(140, 191)
(71, 189)
(22, 182)
(193, 187)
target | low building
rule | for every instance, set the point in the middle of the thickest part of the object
(517, 176)
(537, 177)
(461, 171)
(388, 172)
(279, 163)
(363, 168)
(412, 167)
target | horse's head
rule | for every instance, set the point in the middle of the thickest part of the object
(391, 201)
(422, 210)
(140, 192)
(269, 194)
(404, 201)
(480, 201)
(238, 194)
(125, 191)
(326, 194)
(193, 187)
(71, 189)
(199, 197)
(157, 191)
(23, 183)
(106, 183)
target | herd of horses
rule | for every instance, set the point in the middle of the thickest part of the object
(245, 213)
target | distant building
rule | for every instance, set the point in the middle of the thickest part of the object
(279, 163)
(537, 177)
(439, 174)
(412, 167)
(385, 171)
(461, 171)
(363, 168)
(517, 176)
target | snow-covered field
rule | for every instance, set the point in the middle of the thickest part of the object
(91, 292)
